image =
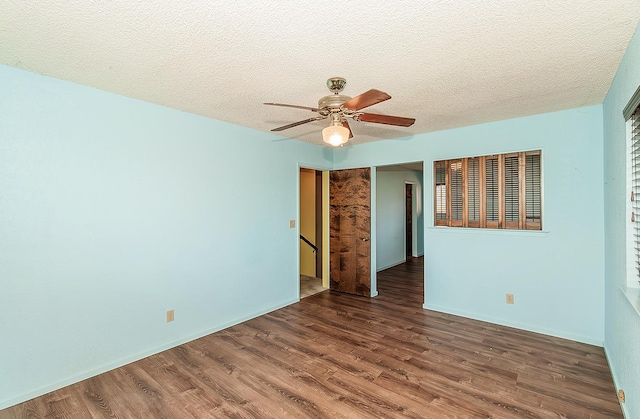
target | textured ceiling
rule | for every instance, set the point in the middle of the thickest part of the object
(446, 63)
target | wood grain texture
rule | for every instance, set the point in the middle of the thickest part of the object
(350, 230)
(335, 355)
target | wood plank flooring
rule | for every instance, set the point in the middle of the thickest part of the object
(339, 356)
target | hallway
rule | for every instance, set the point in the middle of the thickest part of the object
(310, 285)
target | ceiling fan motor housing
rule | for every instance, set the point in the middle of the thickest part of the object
(332, 101)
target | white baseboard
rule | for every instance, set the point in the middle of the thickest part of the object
(378, 269)
(113, 365)
(615, 383)
(522, 326)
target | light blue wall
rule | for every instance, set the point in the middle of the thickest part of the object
(390, 218)
(555, 275)
(622, 323)
(113, 211)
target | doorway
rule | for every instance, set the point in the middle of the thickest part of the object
(413, 219)
(399, 221)
(408, 220)
(395, 238)
(312, 219)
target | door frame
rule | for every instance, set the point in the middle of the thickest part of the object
(373, 237)
(418, 206)
(325, 223)
(414, 220)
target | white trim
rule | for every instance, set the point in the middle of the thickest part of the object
(632, 105)
(630, 254)
(521, 326)
(416, 193)
(615, 382)
(391, 265)
(373, 232)
(489, 231)
(633, 296)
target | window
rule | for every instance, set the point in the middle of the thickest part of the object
(632, 116)
(441, 191)
(491, 182)
(456, 192)
(473, 192)
(498, 191)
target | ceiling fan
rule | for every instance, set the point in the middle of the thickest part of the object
(339, 107)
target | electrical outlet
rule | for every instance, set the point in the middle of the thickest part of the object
(170, 316)
(292, 223)
(621, 395)
(509, 298)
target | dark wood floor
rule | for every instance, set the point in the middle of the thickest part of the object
(339, 356)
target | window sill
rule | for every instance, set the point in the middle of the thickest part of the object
(633, 296)
(491, 231)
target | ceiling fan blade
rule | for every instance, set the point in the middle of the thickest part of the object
(369, 98)
(295, 124)
(385, 119)
(292, 106)
(346, 125)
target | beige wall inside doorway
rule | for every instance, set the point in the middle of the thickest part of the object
(307, 221)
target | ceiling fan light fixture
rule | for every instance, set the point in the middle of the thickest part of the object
(335, 135)
(339, 107)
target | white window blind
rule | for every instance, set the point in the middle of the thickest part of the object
(631, 114)
(456, 192)
(473, 187)
(497, 191)
(532, 186)
(511, 189)
(492, 188)
(441, 192)
(635, 186)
